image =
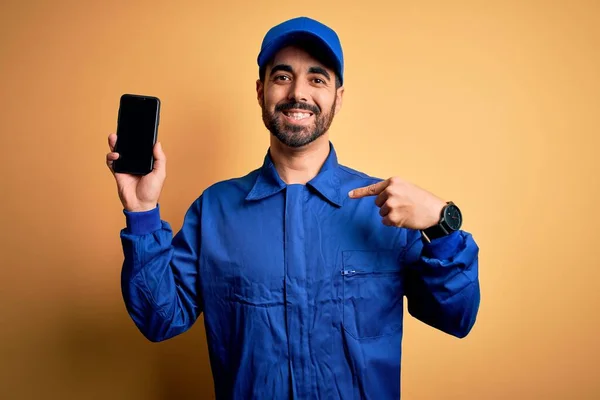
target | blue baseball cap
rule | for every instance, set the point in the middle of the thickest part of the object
(317, 36)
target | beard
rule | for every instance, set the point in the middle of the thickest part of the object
(295, 135)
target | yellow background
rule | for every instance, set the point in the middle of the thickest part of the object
(492, 104)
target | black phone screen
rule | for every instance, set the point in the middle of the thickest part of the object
(137, 130)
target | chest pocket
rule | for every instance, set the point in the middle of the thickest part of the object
(373, 293)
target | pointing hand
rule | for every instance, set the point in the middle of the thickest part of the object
(403, 204)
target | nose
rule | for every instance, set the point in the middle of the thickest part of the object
(298, 92)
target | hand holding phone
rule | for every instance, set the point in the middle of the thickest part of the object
(136, 158)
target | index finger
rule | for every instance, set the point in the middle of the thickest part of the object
(371, 190)
(112, 140)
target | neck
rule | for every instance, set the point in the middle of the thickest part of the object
(299, 165)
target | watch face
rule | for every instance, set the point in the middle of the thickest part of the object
(453, 217)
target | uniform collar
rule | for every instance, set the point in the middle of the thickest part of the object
(326, 183)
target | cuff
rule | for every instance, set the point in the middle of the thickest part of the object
(143, 222)
(445, 247)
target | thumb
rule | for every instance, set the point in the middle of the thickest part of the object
(160, 159)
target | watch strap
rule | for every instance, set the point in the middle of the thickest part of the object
(434, 232)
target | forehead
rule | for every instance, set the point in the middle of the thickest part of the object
(297, 57)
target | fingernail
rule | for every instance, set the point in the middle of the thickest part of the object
(350, 193)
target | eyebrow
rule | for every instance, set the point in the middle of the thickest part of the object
(311, 70)
(281, 67)
(319, 70)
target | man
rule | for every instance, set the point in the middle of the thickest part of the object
(301, 266)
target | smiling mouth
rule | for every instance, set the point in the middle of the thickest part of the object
(296, 115)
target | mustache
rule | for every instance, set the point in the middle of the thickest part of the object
(298, 106)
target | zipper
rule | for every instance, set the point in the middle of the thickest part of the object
(352, 272)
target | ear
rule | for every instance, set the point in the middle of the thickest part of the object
(260, 92)
(339, 94)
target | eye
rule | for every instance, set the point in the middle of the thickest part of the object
(282, 78)
(318, 81)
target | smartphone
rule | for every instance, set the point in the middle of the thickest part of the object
(137, 132)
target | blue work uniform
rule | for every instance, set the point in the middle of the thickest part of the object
(301, 287)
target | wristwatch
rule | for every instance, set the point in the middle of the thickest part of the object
(450, 221)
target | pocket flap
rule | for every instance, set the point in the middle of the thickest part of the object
(372, 260)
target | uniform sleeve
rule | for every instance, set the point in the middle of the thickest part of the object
(442, 282)
(160, 273)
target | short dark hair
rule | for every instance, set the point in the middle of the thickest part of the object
(316, 50)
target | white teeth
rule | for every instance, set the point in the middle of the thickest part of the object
(298, 116)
